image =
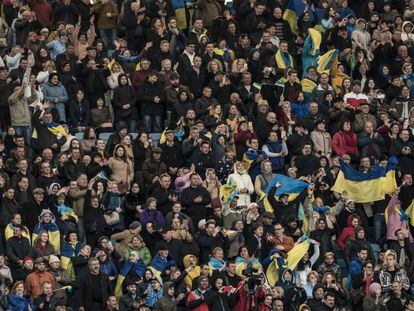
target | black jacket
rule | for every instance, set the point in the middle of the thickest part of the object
(196, 211)
(45, 138)
(86, 285)
(146, 93)
(18, 249)
(79, 113)
(123, 95)
(71, 170)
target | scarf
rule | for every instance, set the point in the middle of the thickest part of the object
(216, 264)
(322, 209)
(63, 209)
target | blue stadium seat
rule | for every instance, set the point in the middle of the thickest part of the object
(105, 137)
(79, 136)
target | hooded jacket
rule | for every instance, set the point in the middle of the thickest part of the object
(51, 228)
(166, 302)
(361, 37)
(407, 36)
(348, 232)
(124, 95)
(193, 274)
(243, 181)
(354, 245)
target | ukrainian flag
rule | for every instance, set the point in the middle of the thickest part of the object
(367, 187)
(138, 268)
(228, 191)
(295, 9)
(292, 260)
(326, 60)
(54, 234)
(291, 186)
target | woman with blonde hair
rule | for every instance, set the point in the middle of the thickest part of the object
(112, 79)
(16, 300)
(213, 68)
(238, 67)
(48, 67)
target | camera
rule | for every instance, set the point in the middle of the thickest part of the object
(253, 278)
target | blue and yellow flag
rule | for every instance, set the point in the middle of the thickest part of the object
(228, 191)
(326, 60)
(291, 186)
(292, 260)
(367, 187)
(316, 38)
(295, 9)
(410, 212)
(54, 234)
(138, 269)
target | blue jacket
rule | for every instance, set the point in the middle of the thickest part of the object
(51, 91)
(109, 268)
(300, 109)
(56, 47)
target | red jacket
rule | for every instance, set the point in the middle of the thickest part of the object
(196, 302)
(348, 232)
(338, 144)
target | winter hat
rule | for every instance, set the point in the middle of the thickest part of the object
(53, 258)
(150, 200)
(374, 287)
(358, 228)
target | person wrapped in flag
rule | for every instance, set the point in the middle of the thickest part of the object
(47, 222)
(217, 262)
(162, 260)
(132, 269)
(253, 158)
(70, 248)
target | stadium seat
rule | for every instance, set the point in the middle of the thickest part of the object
(105, 137)
(79, 136)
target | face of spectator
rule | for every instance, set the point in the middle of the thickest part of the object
(9, 194)
(369, 128)
(277, 13)
(390, 261)
(94, 266)
(203, 283)
(307, 150)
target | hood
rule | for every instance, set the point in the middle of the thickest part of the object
(282, 275)
(357, 24)
(349, 220)
(262, 167)
(235, 169)
(357, 229)
(166, 287)
(405, 24)
(186, 260)
(46, 211)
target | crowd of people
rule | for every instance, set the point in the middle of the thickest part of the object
(141, 141)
